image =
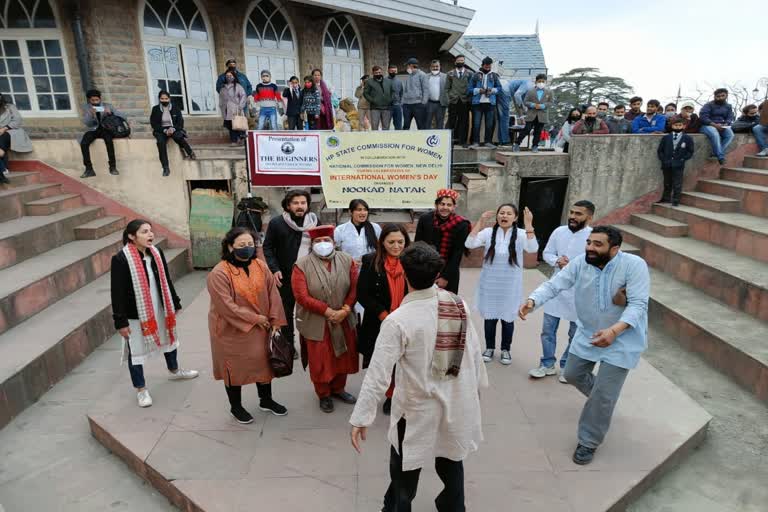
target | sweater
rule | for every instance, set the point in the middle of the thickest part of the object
(619, 125)
(310, 101)
(267, 96)
(714, 113)
(416, 88)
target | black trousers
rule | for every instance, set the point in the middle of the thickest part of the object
(536, 125)
(294, 123)
(417, 112)
(89, 137)
(235, 393)
(5, 146)
(162, 145)
(458, 121)
(673, 184)
(402, 489)
(289, 302)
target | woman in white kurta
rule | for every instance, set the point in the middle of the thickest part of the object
(357, 237)
(500, 289)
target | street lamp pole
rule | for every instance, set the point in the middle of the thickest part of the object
(762, 83)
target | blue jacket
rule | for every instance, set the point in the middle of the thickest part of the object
(714, 113)
(655, 125)
(517, 89)
(247, 87)
(476, 83)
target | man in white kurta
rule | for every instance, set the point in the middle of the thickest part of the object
(566, 243)
(431, 418)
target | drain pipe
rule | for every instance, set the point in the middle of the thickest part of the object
(80, 49)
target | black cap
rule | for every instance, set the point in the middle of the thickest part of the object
(412, 60)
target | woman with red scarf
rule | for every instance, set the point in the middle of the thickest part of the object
(446, 232)
(326, 104)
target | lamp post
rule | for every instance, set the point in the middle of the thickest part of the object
(762, 83)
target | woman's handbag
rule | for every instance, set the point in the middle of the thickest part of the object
(240, 123)
(280, 354)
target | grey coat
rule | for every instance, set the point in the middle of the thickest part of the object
(416, 88)
(532, 114)
(232, 100)
(20, 142)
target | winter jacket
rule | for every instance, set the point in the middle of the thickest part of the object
(671, 157)
(156, 119)
(641, 124)
(531, 98)
(598, 128)
(92, 120)
(241, 78)
(744, 124)
(362, 103)
(378, 94)
(492, 82)
(456, 87)
(714, 113)
(397, 91)
(281, 247)
(416, 88)
(619, 125)
(310, 101)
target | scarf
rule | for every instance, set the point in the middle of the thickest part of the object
(326, 116)
(445, 228)
(310, 221)
(166, 120)
(395, 280)
(329, 286)
(144, 306)
(451, 335)
(247, 285)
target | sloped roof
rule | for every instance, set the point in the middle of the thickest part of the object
(517, 52)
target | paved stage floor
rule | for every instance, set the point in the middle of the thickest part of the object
(188, 446)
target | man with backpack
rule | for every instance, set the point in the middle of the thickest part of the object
(95, 113)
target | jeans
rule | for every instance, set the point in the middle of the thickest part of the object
(507, 330)
(380, 117)
(549, 341)
(268, 113)
(87, 140)
(480, 111)
(397, 116)
(720, 140)
(458, 121)
(760, 133)
(294, 123)
(536, 125)
(602, 392)
(503, 111)
(403, 486)
(437, 112)
(137, 370)
(162, 145)
(234, 135)
(417, 112)
(673, 184)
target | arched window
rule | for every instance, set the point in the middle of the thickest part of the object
(179, 52)
(342, 56)
(33, 65)
(269, 43)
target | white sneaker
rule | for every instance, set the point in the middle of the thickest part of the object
(182, 374)
(542, 371)
(144, 399)
(561, 378)
(763, 152)
(505, 357)
(488, 355)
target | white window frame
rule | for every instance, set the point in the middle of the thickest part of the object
(270, 52)
(22, 35)
(329, 60)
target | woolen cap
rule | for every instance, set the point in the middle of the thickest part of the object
(412, 60)
(319, 231)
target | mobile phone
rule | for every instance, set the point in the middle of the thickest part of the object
(98, 108)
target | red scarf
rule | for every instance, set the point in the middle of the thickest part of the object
(395, 280)
(445, 228)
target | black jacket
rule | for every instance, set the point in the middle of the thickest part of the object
(156, 119)
(672, 158)
(426, 232)
(281, 247)
(294, 105)
(123, 296)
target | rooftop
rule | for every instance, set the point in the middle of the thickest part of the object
(518, 53)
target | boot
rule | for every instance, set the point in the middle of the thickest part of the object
(234, 393)
(113, 170)
(266, 403)
(89, 172)
(166, 171)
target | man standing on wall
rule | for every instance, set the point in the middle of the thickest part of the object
(397, 98)
(458, 101)
(538, 101)
(415, 96)
(438, 99)
(484, 86)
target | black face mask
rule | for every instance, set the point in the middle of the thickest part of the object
(165, 103)
(720, 102)
(392, 75)
(598, 260)
(589, 120)
(460, 65)
(677, 130)
(245, 253)
(378, 77)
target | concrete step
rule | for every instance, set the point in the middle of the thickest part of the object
(53, 204)
(461, 155)
(473, 181)
(26, 237)
(491, 169)
(219, 151)
(13, 199)
(756, 162)
(745, 175)
(740, 232)
(37, 353)
(753, 198)
(660, 225)
(99, 228)
(738, 281)
(630, 249)
(711, 202)
(732, 341)
(19, 179)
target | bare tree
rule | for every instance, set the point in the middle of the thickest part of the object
(738, 95)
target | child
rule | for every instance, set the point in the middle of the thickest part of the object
(266, 102)
(674, 149)
(500, 290)
(310, 103)
(292, 95)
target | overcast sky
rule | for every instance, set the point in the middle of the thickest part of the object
(653, 45)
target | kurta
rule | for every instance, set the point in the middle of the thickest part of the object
(352, 242)
(443, 415)
(499, 291)
(239, 347)
(323, 363)
(564, 242)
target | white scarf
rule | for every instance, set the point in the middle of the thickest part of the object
(310, 221)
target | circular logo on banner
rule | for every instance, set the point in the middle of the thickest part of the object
(332, 141)
(433, 140)
(287, 148)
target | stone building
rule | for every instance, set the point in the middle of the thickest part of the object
(51, 51)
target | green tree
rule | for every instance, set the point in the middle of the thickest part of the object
(586, 86)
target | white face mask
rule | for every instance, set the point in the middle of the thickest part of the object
(435, 71)
(323, 249)
(409, 71)
(540, 85)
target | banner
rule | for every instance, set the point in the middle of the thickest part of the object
(388, 169)
(284, 158)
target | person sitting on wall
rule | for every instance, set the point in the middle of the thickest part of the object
(168, 123)
(603, 110)
(635, 103)
(760, 130)
(590, 124)
(94, 113)
(617, 123)
(716, 120)
(691, 122)
(747, 120)
(652, 121)
(12, 136)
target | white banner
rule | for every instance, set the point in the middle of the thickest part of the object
(285, 152)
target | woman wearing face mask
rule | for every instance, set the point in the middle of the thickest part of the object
(564, 136)
(232, 100)
(327, 114)
(324, 284)
(168, 123)
(245, 310)
(500, 289)
(358, 236)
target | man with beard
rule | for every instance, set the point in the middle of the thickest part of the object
(635, 104)
(242, 79)
(590, 124)
(612, 328)
(716, 120)
(566, 243)
(286, 241)
(446, 232)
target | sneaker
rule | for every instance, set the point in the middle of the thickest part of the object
(542, 371)
(241, 415)
(4, 179)
(763, 152)
(505, 357)
(721, 161)
(535, 150)
(583, 455)
(387, 407)
(562, 380)
(234, 144)
(144, 399)
(488, 355)
(182, 374)
(490, 145)
(326, 404)
(515, 148)
(88, 173)
(347, 398)
(113, 170)
(192, 156)
(269, 405)
(473, 146)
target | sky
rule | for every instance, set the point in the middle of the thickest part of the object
(654, 45)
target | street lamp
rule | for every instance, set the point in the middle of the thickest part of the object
(762, 83)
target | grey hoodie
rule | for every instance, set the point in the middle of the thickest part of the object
(416, 88)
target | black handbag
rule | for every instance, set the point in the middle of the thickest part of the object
(117, 126)
(281, 353)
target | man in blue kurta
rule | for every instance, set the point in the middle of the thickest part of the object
(611, 289)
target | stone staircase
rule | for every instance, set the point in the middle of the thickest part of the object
(55, 254)
(709, 270)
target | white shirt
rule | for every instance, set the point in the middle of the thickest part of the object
(564, 242)
(355, 244)
(434, 87)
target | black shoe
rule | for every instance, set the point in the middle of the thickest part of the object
(387, 407)
(241, 415)
(4, 179)
(663, 201)
(89, 173)
(192, 155)
(113, 170)
(345, 397)
(166, 171)
(269, 405)
(326, 404)
(675, 203)
(721, 161)
(583, 455)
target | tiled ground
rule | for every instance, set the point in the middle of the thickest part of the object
(188, 446)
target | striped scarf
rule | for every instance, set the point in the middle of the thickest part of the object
(144, 306)
(451, 335)
(445, 228)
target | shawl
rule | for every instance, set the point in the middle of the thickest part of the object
(326, 115)
(144, 306)
(445, 228)
(310, 221)
(395, 280)
(247, 285)
(330, 286)
(451, 335)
